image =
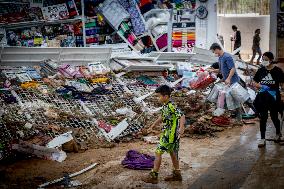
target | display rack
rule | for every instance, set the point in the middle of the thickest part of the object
(81, 19)
(38, 23)
(182, 30)
(35, 55)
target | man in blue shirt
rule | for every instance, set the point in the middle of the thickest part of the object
(228, 70)
(226, 65)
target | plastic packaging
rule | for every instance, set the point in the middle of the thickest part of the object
(230, 102)
(40, 151)
(239, 93)
(218, 112)
(126, 111)
(221, 99)
(213, 96)
(204, 79)
(251, 93)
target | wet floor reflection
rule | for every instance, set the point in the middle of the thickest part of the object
(244, 165)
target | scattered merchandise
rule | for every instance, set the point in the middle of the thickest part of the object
(42, 105)
(68, 176)
(136, 160)
(221, 121)
(151, 139)
(40, 151)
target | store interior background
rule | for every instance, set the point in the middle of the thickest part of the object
(248, 15)
(207, 157)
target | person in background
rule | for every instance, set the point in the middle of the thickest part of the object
(267, 80)
(256, 47)
(237, 39)
(228, 70)
(173, 128)
(221, 39)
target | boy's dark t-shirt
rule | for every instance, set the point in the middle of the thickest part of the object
(271, 78)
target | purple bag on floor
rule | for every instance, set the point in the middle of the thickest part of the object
(136, 160)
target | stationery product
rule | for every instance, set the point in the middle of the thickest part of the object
(56, 12)
(114, 12)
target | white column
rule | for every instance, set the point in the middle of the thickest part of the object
(273, 27)
(206, 29)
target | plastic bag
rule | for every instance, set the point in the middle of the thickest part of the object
(252, 94)
(239, 93)
(221, 99)
(218, 112)
(230, 103)
(213, 96)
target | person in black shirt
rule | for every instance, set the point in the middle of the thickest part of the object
(237, 39)
(268, 79)
(256, 47)
(216, 66)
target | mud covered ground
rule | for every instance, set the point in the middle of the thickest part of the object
(199, 157)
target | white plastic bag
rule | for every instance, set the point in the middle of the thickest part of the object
(218, 112)
(221, 99)
(239, 93)
(126, 111)
(230, 103)
(213, 96)
(252, 94)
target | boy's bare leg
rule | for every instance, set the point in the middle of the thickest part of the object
(176, 175)
(175, 160)
(153, 175)
(157, 162)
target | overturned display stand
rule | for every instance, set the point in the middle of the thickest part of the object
(118, 112)
(19, 56)
(34, 106)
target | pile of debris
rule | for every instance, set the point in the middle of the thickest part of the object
(79, 107)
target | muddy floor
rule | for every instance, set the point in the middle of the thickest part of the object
(230, 160)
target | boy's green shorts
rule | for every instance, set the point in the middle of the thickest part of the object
(168, 147)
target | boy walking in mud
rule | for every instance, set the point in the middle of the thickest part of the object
(173, 128)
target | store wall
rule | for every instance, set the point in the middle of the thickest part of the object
(247, 24)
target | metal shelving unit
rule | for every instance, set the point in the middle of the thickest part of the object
(37, 23)
(45, 22)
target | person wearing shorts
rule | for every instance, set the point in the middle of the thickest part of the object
(173, 127)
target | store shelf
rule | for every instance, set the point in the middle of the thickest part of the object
(63, 21)
(17, 3)
(35, 55)
(159, 23)
(36, 23)
(20, 24)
